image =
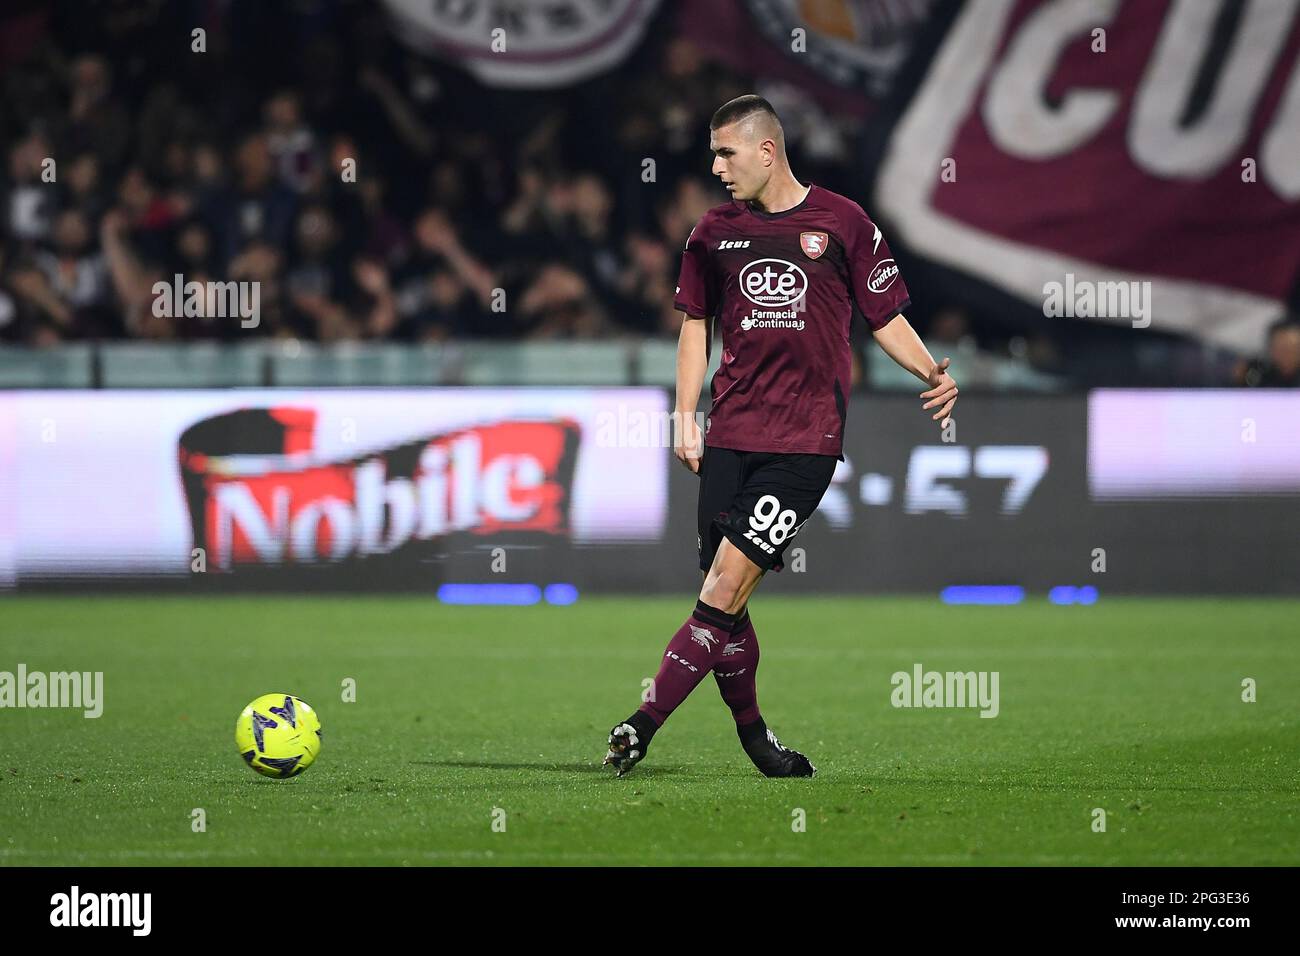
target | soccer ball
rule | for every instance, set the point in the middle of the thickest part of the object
(278, 735)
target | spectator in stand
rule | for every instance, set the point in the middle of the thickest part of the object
(1280, 367)
(30, 206)
(257, 206)
(77, 276)
(474, 213)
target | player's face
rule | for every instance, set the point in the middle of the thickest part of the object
(738, 162)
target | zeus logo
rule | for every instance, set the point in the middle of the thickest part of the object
(773, 282)
(683, 661)
(759, 541)
(734, 244)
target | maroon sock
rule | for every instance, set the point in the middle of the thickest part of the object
(690, 655)
(736, 668)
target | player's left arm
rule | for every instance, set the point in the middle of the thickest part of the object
(881, 295)
(904, 346)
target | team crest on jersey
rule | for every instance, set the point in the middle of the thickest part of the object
(814, 243)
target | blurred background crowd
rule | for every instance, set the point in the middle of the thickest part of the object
(458, 189)
(229, 165)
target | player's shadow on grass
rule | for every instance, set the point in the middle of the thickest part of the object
(565, 768)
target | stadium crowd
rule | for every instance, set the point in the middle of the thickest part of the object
(373, 193)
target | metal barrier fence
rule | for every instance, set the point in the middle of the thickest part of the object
(297, 364)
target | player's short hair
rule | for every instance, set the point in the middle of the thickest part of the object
(741, 108)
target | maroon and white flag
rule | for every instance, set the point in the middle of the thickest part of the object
(1084, 143)
(532, 44)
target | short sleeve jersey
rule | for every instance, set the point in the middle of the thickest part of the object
(781, 287)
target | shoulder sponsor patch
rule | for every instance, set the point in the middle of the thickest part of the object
(882, 276)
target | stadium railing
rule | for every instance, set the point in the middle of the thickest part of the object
(303, 364)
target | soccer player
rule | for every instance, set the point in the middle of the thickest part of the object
(779, 268)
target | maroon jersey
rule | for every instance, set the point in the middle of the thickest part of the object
(782, 287)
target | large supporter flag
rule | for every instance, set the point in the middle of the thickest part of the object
(845, 53)
(549, 44)
(1079, 144)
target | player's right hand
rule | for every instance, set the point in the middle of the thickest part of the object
(688, 443)
(942, 391)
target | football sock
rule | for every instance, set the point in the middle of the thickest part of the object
(764, 756)
(752, 734)
(736, 668)
(690, 655)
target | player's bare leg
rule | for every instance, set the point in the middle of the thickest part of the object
(731, 579)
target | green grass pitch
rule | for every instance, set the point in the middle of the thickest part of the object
(1131, 706)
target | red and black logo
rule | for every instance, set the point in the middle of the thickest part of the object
(257, 494)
